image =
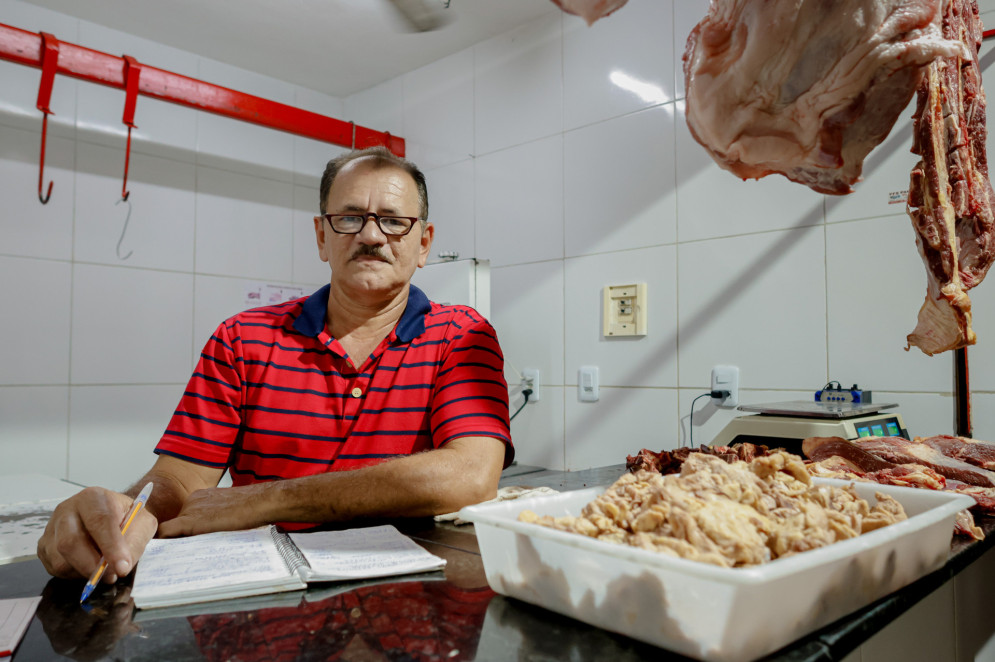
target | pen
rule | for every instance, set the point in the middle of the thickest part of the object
(137, 505)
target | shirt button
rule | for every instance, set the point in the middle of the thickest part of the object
(356, 392)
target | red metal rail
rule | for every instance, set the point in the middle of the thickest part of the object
(27, 48)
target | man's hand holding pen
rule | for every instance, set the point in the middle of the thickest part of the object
(88, 526)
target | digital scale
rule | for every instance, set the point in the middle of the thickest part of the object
(786, 424)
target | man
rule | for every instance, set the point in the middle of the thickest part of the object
(321, 407)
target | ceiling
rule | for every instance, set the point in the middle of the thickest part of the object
(334, 46)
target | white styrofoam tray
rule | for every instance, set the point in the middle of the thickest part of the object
(698, 609)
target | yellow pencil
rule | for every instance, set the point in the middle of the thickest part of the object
(137, 505)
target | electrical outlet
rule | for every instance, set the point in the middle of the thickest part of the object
(726, 378)
(530, 379)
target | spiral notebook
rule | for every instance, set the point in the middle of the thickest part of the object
(233, 564)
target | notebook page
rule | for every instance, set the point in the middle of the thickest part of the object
(15, 616)
(215, 564)
(376, 551)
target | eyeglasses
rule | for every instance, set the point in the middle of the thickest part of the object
(394, 226)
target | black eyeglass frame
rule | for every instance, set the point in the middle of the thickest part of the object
(376, 219)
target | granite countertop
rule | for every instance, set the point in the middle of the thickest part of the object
(451, 616)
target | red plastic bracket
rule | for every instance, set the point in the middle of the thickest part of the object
(49, 66)
(132, 74)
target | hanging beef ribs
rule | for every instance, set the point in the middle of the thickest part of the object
(806, 88)
(950, 197)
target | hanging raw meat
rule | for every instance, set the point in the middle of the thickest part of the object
(950, 196)
(589, 10)
(806, 88)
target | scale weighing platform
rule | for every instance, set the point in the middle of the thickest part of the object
(786, 424)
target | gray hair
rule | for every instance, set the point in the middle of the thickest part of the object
(380, 157)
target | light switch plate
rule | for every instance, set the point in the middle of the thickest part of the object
(587, 383)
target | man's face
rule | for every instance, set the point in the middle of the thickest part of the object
(371, 262)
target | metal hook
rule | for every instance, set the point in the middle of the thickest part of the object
(49, 65)
(123, 229)
(41, 165)
(124, 184)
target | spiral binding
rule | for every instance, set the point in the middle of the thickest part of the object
(288, 551)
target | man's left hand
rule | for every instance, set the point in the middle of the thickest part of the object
(217, 509)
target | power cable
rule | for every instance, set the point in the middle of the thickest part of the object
(526, 392)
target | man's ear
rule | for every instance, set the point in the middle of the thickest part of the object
(427, 234)
(319, 235)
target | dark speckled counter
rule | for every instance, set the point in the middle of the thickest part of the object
(441, 616)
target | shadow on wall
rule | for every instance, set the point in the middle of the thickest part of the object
(667, 348)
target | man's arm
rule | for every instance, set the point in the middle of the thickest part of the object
(88, 525)
(463, 472)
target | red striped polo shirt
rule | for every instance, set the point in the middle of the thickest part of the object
(274, 396)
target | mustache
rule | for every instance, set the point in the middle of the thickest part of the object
(367, 250)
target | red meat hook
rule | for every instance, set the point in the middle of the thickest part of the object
(132, 72)
(49, 64)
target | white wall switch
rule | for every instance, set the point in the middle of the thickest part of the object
(624, 310)
(587, 383)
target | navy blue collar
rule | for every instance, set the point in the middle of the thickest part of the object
(311, 321)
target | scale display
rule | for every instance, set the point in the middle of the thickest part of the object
(888, 427)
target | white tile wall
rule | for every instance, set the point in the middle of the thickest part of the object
(531, 292)
(758, 302)
(144, 335)
(649, 360)
(618, 65)
(451, 210)
(519, 193)
(518, 85)
(37, 304)
(983, 353)
(619, 424)
(28, 228)
(123, 422)
(379, 108)
(876, 275)
(310, 159)
(537, 432)
(982, 414)
(154, 228)
(438, 111)
(924, 414)
(307, 266)
(34, 423)
(609, 207)
(243, 225)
